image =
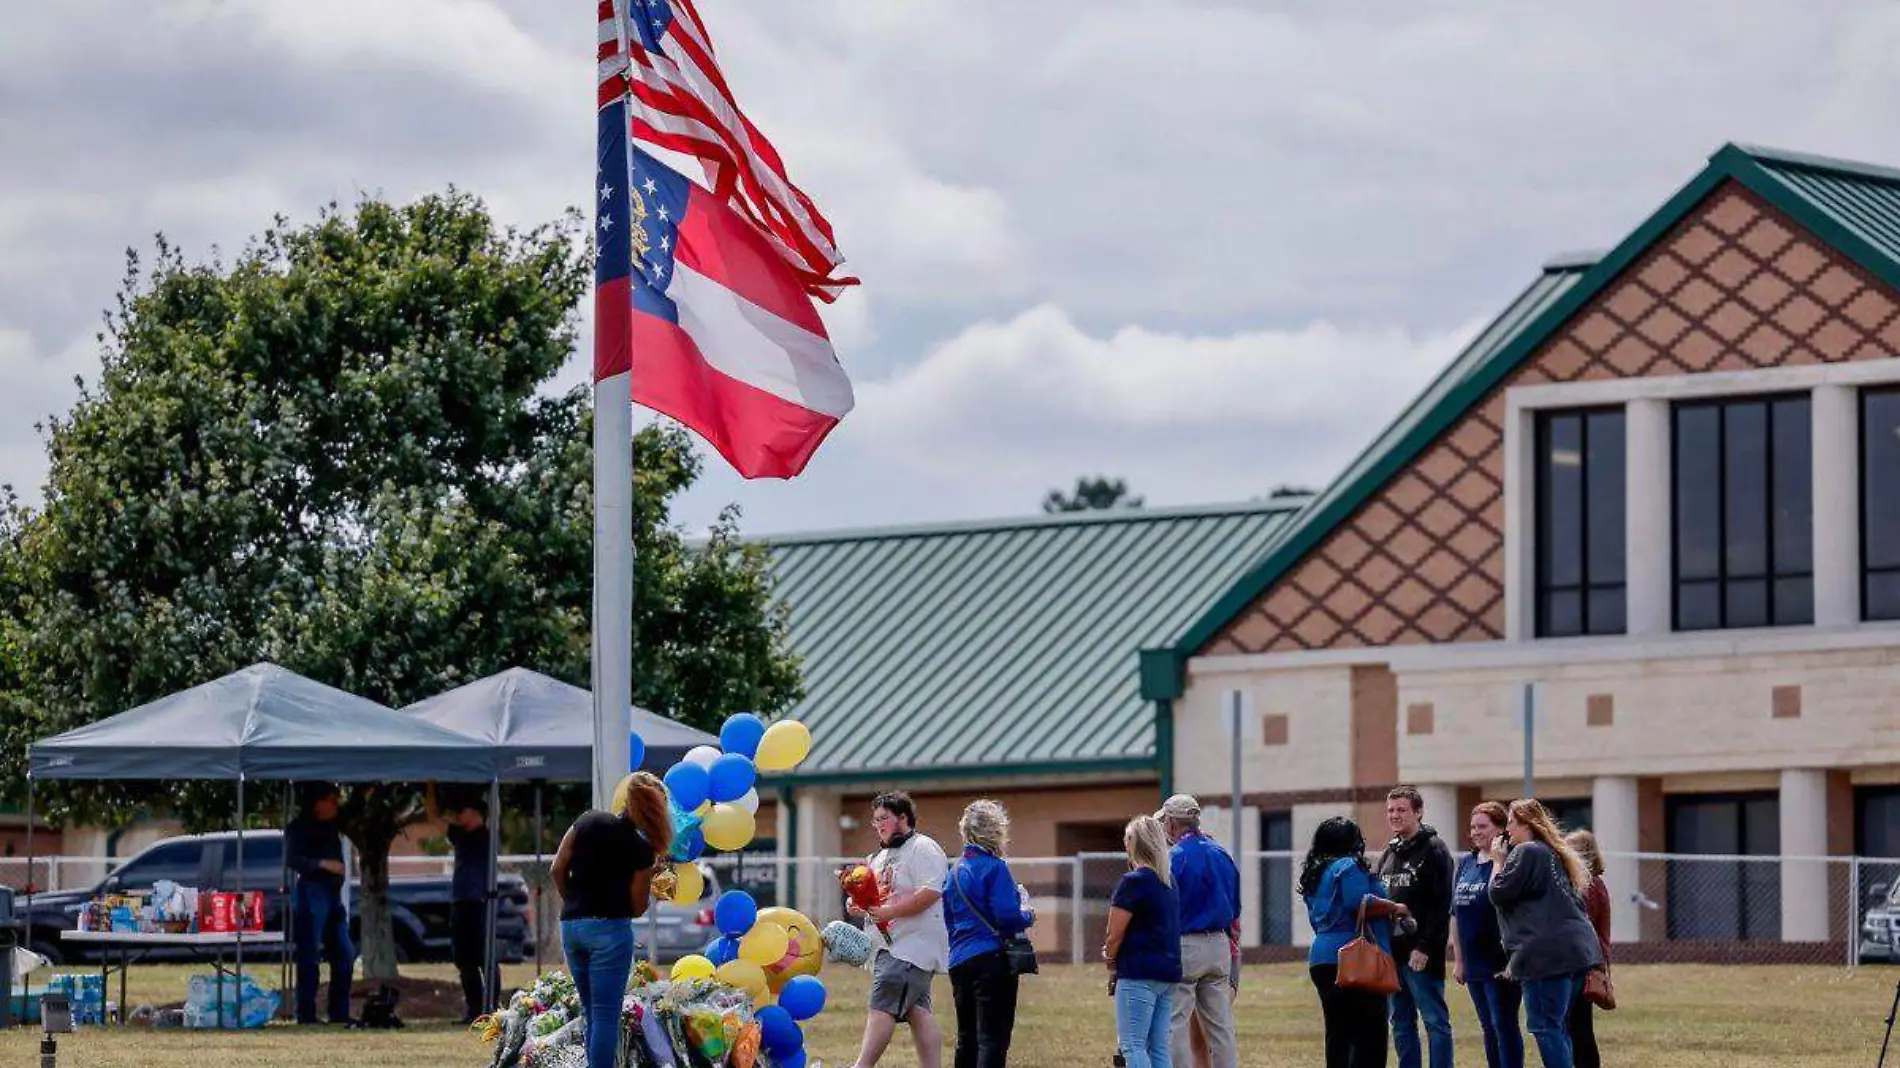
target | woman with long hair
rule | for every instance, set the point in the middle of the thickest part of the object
(982, 908)
(604, 872)
(1538, 883)
(1143, 950)
(1596, 905)
(1477, 943)
(1337, 883)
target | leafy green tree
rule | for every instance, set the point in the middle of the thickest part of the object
(1090, 494)
(339, 454)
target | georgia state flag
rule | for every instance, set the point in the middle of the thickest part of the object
(716, 329)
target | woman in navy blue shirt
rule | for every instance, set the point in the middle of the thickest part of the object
(1477, 946)
(1143, 950)
(1335, 880)
(982, 907)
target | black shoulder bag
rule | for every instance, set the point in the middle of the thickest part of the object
(1018, 952)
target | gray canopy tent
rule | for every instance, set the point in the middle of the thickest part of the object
(541, 729)
(266, 723)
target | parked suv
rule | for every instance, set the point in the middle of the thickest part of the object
(1880, 926)
(419, 904)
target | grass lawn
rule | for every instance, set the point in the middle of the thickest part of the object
(1675, 1016)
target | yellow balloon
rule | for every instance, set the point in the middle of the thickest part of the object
(704, 807)
(690, 883)
(692, 966)
(784, 745)
(728, 827)
(744, 975)
(805, 955)
(764, 944)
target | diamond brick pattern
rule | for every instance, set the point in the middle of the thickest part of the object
(1735, 286)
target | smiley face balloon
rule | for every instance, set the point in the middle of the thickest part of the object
(805, 955)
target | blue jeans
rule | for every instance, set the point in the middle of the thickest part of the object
(1420, 994)
(321, 928)
(1497, 1001)
(600, 958)
(1547, 1013)
(1143, 1010)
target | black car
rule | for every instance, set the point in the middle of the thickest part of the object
(419, 905)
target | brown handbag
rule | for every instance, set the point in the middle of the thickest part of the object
(1363, 965)
(1598, 988)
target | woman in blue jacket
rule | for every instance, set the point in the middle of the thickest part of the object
(1335, 880)
(983, 906)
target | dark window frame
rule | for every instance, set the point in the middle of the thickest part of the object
(1867, 572)
(1584, 589)
(1771, 575)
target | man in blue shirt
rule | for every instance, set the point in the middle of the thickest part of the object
(1207, 882)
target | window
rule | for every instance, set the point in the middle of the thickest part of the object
(178, 862)
(1277, 878)
(263, 862)
(1580, 523)
(1569, 813)
(1744, 513)
(1725, 898)
(1880, 504)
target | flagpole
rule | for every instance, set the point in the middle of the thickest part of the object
(613, 563)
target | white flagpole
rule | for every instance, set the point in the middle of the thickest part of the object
(613, 562)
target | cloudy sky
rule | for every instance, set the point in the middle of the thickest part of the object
(1205, 246)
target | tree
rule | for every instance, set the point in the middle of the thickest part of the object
(1091, 493)
(336, 454)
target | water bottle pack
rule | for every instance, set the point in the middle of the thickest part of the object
(246, 1004)
(86, 993)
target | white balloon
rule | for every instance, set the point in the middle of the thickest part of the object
(703, 755)
(750, 802)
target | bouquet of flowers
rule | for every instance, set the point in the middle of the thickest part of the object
(862, 889)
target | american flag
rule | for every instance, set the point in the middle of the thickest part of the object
(679, 100)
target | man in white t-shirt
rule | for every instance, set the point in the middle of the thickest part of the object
(910, 870)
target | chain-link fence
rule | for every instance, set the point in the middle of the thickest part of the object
(1666, 908)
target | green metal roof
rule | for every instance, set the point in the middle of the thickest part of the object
(1001, 647)
(1853, 206)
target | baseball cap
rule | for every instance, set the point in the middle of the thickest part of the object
(1180, 807)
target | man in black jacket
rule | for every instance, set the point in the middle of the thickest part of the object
(313, 846)
(1418, 872)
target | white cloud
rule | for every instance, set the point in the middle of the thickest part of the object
(1033, 401)
(38, 385)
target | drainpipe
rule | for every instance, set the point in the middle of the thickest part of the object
(788, 803)
(1164, 744)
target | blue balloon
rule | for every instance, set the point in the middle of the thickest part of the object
(778, 1033)
(803, 997)
(732, 775)
(636, 751)
(722, 950)
(794, 1059)
(741, 735)
(735, 913)
(687, 784)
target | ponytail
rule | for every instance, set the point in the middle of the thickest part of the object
(641, 798)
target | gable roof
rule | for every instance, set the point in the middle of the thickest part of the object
(999, 648)
(1854, 207)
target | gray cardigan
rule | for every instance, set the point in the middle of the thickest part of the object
(1544, 924)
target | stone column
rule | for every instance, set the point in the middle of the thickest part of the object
(1805, 901)
(1646, 526)
(1306, 819)
(819, 840)
(1441, 811)
(1836, 508)
(1616, 811)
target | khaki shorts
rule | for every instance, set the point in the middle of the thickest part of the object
(898, 986)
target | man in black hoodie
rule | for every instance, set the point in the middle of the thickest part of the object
(1419, 873)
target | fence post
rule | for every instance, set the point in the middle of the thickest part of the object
(1853, 913)
(1076, 954)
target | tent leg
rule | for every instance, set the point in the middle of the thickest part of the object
(29, 859)
(240, 883)
(287, 975)
(534, 891)
(491, 959)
